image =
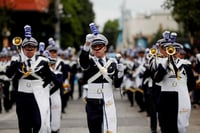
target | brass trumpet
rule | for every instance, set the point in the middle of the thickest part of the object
(171, 50)
(153, 51)
(17, 41)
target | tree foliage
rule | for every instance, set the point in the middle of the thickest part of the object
(186, 12)
(110, 30)
(74, 22)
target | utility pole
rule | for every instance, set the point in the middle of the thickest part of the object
(57, 24)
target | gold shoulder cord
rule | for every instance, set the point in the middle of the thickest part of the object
(178, 75)
(26, 74)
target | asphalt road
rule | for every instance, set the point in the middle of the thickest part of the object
(74, 120)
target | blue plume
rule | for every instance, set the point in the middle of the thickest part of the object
(41, 47)
(51, 41)
(173, 37)
(27, 30)
(93, 28)
(46, 54)
(166, 35)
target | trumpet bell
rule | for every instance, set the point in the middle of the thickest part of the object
(171, 50)
(153, 51)
(17, 41)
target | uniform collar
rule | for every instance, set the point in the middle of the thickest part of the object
(103, 58)
(32, 59)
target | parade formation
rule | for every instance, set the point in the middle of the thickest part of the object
(39, 80)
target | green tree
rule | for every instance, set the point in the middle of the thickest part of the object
(186, 12)
(75, 23)
(110, 30)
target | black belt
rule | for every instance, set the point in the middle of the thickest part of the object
(30, 77)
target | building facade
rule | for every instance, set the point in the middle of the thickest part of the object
(139, 30)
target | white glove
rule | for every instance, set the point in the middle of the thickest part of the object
(163, 62)
(120, 74)
(120, 68)
(89, 37)
(15, 58)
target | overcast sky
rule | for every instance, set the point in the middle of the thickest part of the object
(110, 9)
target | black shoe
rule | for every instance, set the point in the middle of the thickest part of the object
(153, 131)
(55, 131)
(140, 111)
(71, 98)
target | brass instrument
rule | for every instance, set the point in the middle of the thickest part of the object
(153, 51)
(171, 50)
(17, 41)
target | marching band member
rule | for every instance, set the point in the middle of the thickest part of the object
(57, 101)
(176, 79)
(128, 84)
(139, 75)
(147, 84)
(156, 53)
(63, 68)
(5, 82)
(72, 62)
(101, 74)
(31, 75)
(196, 91)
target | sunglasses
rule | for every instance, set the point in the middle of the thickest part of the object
(97, 47)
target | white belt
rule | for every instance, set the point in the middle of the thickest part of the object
(96, 90)
(172, 86)
(28, 86)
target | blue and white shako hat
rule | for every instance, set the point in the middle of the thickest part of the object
(140, 50)
(164, 40)
(99, 39)
(172, 41)
(29, 40)
(52, 45)
(175, 45)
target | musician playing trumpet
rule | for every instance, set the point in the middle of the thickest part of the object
(31, 75)
(159, 51)
(176, 79)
